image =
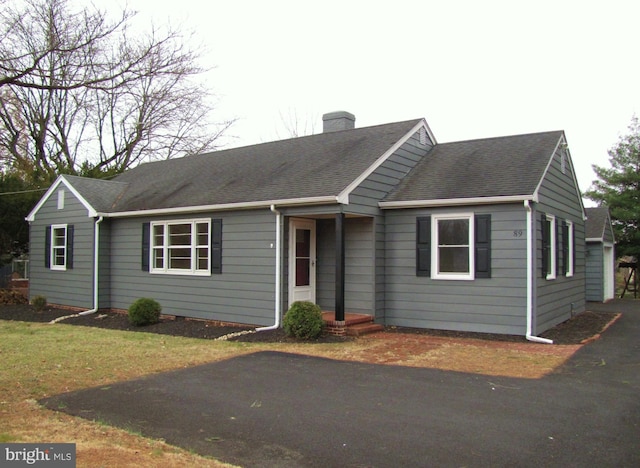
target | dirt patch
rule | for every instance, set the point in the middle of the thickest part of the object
(577, 330)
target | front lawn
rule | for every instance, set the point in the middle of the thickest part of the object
(39, 360)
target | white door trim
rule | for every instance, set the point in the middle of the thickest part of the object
(305, 292)
(608, 272)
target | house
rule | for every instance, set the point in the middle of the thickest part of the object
(600, 258)
(484, 235)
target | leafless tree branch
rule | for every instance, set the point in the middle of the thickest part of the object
(79, 91)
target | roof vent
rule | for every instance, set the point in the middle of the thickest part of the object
(337, 121)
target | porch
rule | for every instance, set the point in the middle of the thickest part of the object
(332, 262)
(352, 325)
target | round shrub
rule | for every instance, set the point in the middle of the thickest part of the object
(39, 303)
(303, 320)
(144, 311)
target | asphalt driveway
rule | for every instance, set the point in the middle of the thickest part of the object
(279, 410)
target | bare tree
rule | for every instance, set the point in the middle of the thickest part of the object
(80, 93)
(294, 126)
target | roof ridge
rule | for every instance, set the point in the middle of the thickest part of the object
(276, 142)
(548, 132)
(313, 135)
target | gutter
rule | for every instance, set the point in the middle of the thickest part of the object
(278, 276)
(96, 239)
(309, 201)
(394, 205)
(529, 334)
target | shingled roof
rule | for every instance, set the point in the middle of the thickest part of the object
(597, 222)
(321, 165)
(99, 193)
(494, 167)
(320, 168)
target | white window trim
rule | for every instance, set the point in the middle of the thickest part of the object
(553, 245)
(193, 271)
(435, 251)
(53, 248)
(570, 267)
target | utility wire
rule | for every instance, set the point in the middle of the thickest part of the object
(24, 191)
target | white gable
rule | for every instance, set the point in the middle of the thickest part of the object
(91, 212)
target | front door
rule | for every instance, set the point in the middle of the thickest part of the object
(302, 260)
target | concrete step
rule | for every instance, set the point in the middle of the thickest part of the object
(360, 329)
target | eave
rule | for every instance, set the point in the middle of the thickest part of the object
(310, 201)
(396, 205)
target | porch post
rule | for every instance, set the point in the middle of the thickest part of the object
(339, 267)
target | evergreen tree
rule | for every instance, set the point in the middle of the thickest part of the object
(618, 187)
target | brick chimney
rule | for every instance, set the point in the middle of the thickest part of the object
(337, 121)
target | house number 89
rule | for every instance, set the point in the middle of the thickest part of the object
(517, 233)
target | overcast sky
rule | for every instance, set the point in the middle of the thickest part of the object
(472, 69)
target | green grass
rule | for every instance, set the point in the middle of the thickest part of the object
(42, 359)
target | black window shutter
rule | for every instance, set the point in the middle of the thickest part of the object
(146, 239)
(423, 246)
(483, 246)
(216, 246)
(546, 231)
(70, 246)
(47, 247)
(565, 247)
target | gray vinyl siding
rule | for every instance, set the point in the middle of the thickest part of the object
(557, 300)
(326, 263)
(104, 265)
(380, 262)
(594, 272)
(243, 293)
(493, 305)
(365, 199)
(73, 287)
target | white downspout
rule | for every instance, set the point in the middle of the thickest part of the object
(96, 252)
(529, 334)
(278, 279)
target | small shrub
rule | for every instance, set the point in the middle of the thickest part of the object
(303, 320)
(12, 297)
(144, 311)
(39, 303)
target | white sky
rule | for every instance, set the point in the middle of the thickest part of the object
(473, 69)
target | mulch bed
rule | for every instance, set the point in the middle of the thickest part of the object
(574, 331)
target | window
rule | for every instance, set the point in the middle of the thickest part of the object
(187, 247)
(59, 247)
(567, 248)
(453, 246)
(61, 199)
(181, 247)
(548, 246)
(461, 247)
